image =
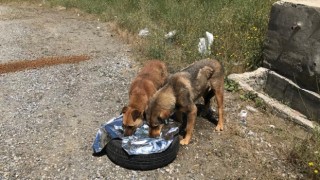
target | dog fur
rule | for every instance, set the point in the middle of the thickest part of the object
(204, 78)
(150, 78)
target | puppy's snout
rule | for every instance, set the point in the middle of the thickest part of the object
(155, 131)
(128, 131)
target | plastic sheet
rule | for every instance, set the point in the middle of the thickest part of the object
(139, 142)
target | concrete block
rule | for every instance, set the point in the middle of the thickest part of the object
(292, 46)
(285, 98)
(288, 93)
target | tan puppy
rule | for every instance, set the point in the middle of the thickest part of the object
(204, 78)
(150, 78)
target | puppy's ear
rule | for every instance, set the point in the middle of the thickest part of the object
(124, 109)
(206, 71)
(135, 114)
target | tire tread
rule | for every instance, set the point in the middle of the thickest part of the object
(120, 157)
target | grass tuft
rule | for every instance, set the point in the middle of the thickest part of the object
(306, 155)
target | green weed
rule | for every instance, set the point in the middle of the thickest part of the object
(306, 155)
(231, 85)
(252, 96)
(239, 28)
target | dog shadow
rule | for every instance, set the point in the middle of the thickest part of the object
(207, 114)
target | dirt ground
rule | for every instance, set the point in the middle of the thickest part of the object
(49, 116)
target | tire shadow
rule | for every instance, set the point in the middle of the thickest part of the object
(101, 153)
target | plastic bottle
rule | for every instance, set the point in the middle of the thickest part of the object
(243, 117)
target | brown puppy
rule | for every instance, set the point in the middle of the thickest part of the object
(150, 78)
(204, 78)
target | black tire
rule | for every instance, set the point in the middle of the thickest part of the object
(120, 157)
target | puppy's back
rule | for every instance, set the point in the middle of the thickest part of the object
(155, 71)
(195, 67)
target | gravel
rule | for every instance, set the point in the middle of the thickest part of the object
(49, 116)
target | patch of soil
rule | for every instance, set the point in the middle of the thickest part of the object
(39, 63)
(49, 116)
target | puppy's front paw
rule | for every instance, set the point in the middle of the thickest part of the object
(184, 142)
(219, 128)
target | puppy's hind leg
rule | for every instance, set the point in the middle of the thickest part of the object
(219, 98)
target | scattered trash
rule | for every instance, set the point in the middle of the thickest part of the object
(204, 46)
(170, 34)
(144, 32)
(210, 39)
(243, 117)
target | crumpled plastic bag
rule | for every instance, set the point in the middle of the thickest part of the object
(170, 34)
(139, 142)
(204, 46)
(144, 32)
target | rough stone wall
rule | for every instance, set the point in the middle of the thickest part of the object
(292, 46)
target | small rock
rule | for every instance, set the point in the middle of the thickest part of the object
(251, 133)
(170, 34)
(60, 8)
(272, 126)
(144, 32)
(251, 109)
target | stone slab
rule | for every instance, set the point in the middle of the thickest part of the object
(264, 81)
(292, 46)
(287, 92)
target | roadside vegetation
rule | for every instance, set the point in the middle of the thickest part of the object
(238, 27)
(306, 155)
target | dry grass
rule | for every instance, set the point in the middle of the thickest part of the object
(306, 155)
